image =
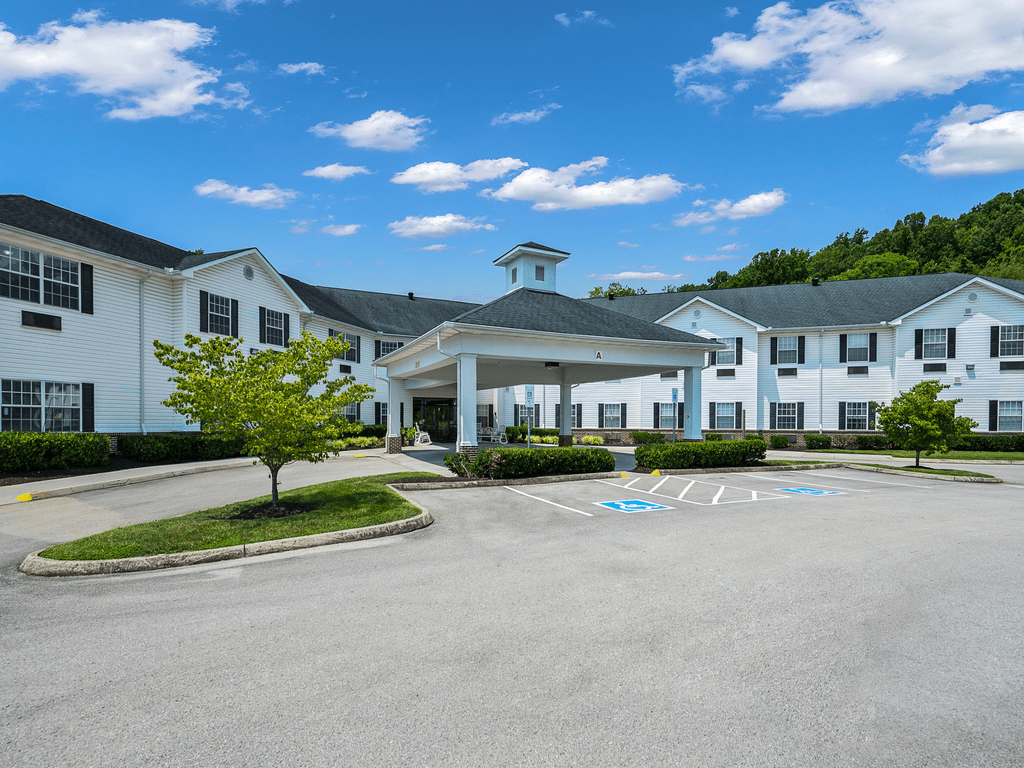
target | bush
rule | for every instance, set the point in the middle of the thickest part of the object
(593, 440)
(373, 430)
(336, 446)
(818, 442)
(34, 451)
(779, 442)
(646, 438)
(504, 463)
(518, 434)
(972, 442)
(871, 442)
(754, 436)
(712, 437)
(734, 453)
(176, 447)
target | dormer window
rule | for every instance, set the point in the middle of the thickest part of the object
(540, 273)
(515, 275)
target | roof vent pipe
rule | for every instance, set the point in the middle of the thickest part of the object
(814, 281)
(611, 296)
(410, 296)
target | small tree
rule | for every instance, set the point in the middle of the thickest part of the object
(918, 421)
(262, 399)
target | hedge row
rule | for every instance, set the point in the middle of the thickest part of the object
(646, 438)
(176, 448)
(1008, 443)
(503, 463)
(518, 434)
(34, 451)
(733, 453)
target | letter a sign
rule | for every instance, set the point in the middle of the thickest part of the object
(597, 355)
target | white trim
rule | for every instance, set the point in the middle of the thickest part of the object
(681, 307)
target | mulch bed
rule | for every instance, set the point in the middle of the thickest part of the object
(270, 509)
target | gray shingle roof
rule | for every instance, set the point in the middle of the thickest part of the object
(198, 259)
(802, 305)
(531, 310)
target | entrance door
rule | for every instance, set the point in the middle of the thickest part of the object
(437, 417)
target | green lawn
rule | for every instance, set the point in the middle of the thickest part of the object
(960, 455)
(354, 503)
(782, 463)
(929, 470)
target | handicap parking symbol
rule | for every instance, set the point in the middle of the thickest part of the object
(811, 491)
(633, 505)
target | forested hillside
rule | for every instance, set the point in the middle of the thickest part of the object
(988, 240)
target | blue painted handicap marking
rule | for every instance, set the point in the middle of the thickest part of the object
(633, 505)
(811, 491)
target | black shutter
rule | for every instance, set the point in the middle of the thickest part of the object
(713, 357)
(234, 318)
(85, 287)
(739, 350)
(919, 343)
(711, 415)
(993, 344)
(515, 415)
(263, 325)
(842, 347)
(204, 312)
(401, 344)
(737, 421)
(657, 416)
(873, 348)
(679, 414)
(536, 415)
(359, 411)
(490, 416)
(871, 415)
(600, 415)
(401, 415)
(376, 412)
(558, 415)
(772, 415)
(622, 415)
(357, 349)
(286, 333)
(799, 415)
(775, 350)
(579, 415)
(993, 415)
(951, 343)
(88, 408)
(376, 348)
(800, 349)
(842, 415)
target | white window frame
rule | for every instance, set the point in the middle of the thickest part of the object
(387, 347)
(670, 376)
(60, 282)
(667, 415)
(788, 350)
(538, 273)
(725, 412)
(726, 356)
(612, 411)
(384, 412)
(856, 416)
(785, 416)
(1011, 416)
(933, 341)
(350, 412)
(275, 327)
(483, 416)
(351, 352)
(53, 406)
(218, 313)
(39, 278)
(858, 346)
(1011, 340)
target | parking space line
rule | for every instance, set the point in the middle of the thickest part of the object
(538, 498)
(823, 485)
(721, 490)
(865, 480)
(692, 483)
(627, 485)
(663, 481)
(718, 495)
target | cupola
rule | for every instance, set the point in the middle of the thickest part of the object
(531, 265)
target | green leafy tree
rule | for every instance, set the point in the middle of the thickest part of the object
(263, 399)
(880, 265)
(617, 288)
(775, 267)
(918, 421)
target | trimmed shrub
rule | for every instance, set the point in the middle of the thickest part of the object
(505, 463)
(336, 446)
(754, 436)
(177, 448)
(733, 453)
(35, 451)
(779, 442)
(870, 442)
(818, 442)
(373, 430)
(713, 437)
(646, 438)
(972, 442)
(593, 440)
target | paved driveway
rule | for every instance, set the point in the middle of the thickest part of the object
(880, 626)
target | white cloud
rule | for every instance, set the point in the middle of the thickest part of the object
(385, 129)
(582, 17)
(626, 244)
(525, 117)
(247, 66)
(136, 65)
(638, 276)
(341, 230)
(446, 177)
(554, 190)
(731, 247)
(270, 196)
(228, 5)
(307, 67)
(760, 204)
(846, 54)
(336, 171)
(719, 257)
(730, 11)
(562, 19)
(435, 247)
(437, 226)
(972, 141)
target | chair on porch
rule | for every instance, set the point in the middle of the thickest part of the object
(494, 434)
(422, 436)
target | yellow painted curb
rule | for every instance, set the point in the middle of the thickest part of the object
(656, 472)
(24, 497)
(623, 474)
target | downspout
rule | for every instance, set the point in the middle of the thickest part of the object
(821, 388)
(142, 352)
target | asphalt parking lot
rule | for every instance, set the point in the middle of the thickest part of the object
(703, 620)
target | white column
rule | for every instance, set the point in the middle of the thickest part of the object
(692, 406)
(396, 394)
(565, 390)
(466, 401)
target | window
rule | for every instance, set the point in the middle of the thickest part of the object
(60, 282)
(666, 414)
(726, 356)
(934, 341)
(788, 350)
(670, 375)
(351, 412)
(857, 345)
(576, 419)
(387, 347)
(725, 415)
(64, 283)
(382, 413)
(785, 416)
(19, 273)
(219, 315)
(612, 415)
(515, 275)
(483, 416)
(1010, 415)
(352, 353)
(25, 409)
(539, 273)
(1011, 340)
(856, 416)
(275, 328)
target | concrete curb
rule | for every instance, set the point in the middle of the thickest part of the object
(34, 565)
(904, 473)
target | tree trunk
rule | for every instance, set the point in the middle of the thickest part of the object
(273, 483)
(917, 463)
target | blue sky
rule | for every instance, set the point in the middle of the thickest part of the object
(404, 147)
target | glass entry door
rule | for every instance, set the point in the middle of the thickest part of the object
(436, 415)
